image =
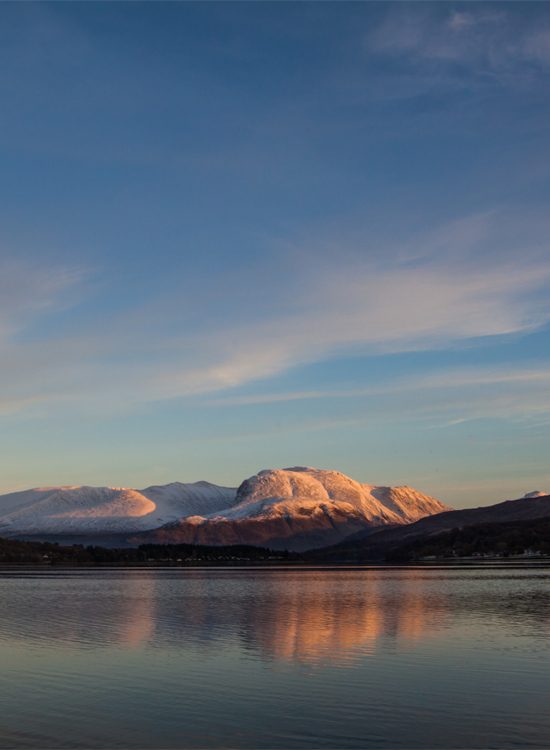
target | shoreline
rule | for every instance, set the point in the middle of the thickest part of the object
(457, 563)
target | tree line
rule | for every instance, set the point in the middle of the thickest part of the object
(16, 552)
(507, 539)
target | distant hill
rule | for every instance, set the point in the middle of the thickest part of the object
(528, 538)
(385, 544)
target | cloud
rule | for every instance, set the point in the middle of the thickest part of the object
(456, 379)
(536, 46)
(459, 21)
(491, 44)
(458, 283)
(447, 397)
(462, 282)
(28, 290)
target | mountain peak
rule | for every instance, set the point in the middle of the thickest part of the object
(295, 508)
(299, 508)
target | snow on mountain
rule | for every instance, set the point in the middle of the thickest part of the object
(178, 499)
(106, 510)
(299, 508)
(294, 508)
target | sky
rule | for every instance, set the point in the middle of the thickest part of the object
(237, 236)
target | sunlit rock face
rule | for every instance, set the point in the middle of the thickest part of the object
(297, 509)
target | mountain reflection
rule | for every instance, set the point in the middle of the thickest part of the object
(305, 616)
(138, 626)
(283, 616)
(337, 620)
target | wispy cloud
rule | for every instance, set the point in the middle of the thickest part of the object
(458, 283)
(375, 312)
(28, 290)
(452, 285)
(491, 43)
(448, 380)
(447, 397)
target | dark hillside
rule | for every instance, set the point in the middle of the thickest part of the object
(379, 545)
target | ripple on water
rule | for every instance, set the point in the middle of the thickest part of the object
(280, 658)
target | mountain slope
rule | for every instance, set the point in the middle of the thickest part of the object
(377, 546)
(106, 510)
(298, 508)
(526, 538)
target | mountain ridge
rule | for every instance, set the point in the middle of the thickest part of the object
(298, 508)
(105, 510)
(295, 508)
(358, 547)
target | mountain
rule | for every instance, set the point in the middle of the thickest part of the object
(81, 511)
(297, 509)
(526, 538)
(384, 544)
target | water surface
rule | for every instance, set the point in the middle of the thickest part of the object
(275, 658)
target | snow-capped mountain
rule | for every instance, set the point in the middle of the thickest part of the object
(299, 508)
(106, 510)
(296, 508)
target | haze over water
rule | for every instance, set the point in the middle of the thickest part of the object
(397, 658)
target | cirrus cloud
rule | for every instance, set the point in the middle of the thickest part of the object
(462, 282)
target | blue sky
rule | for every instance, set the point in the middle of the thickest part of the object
(243, 235)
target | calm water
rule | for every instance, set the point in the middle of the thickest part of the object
(385, 658)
